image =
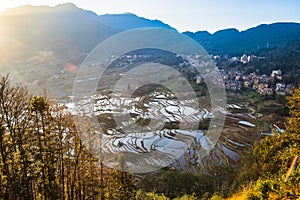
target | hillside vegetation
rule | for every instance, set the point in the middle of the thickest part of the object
(43, 157)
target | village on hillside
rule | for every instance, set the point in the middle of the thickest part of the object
(265, 84)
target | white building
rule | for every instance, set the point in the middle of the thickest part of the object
(276, 73)
(244, 59)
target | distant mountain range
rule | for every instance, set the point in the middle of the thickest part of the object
(251, 41)
(68, 30)
(64, 29)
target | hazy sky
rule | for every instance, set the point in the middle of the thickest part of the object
(191, 15)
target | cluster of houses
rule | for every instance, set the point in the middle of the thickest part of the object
(263, 84)
(243, 59)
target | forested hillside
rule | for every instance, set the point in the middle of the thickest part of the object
(42, 156)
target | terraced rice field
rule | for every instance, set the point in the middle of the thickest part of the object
(185, 149)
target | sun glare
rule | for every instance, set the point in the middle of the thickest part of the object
(3, 6)
(9, 5)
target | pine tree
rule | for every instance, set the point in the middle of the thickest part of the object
(122, 185)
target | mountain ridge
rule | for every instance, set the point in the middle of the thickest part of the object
(108, 19)
(67, 30)
(251, 41)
